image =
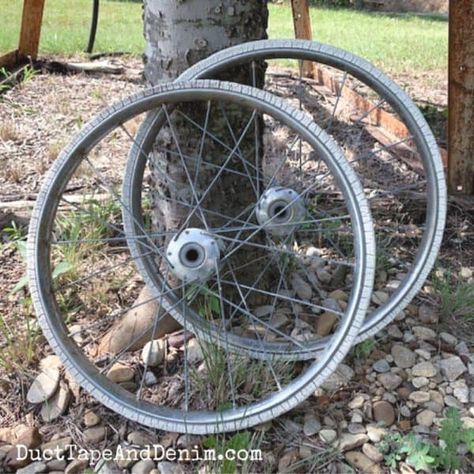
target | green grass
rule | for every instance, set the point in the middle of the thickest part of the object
(396, 43)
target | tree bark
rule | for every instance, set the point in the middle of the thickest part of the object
(178, 34)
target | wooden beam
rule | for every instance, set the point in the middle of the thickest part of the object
(461, 97)
(9, 59)
(31, 28)
(303, 30)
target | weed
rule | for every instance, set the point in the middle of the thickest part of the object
(15, 232)
(425, 456)
(456, 298)
(364, 349)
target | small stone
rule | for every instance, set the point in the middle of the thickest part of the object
(311, 426)
(428, 314)
(328, 436)
(107, 468)
(356, 428)
(340, 377)
(375, 433)
(143, 467)
(50, 362)
(95, 435)
(424, 369)
(452, 368)
(153, 353)
(338, 295)
(357, 402)
(461, 391)
(33, 468)
(262, 311)
(138, 438)
(394, 332)
(405, 411)
(419, 382)
(56, 406)
(44, 386)
(326, 323)
(380, 297)
(56, 465)
(352, 441)
(425, 418)
(462, 349)
(403, 357)
(76, 333)
(288, 458)
(381, 366)
(357, 417)
(31, 439)
(91, 419)
(150, 379)
(361, 462)
(390, 380)
(77, 466)
(194, 351)
(419, 397)
(302, 289)
(449, 339)
(450, 401)
(372, 452)
(120, 373)
(166, 467)
(324, 276)
(59, 446)
(466, 273)
(384, 412)
(424, 333)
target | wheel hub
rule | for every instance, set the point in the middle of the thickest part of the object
(280, 210)
(193, 255)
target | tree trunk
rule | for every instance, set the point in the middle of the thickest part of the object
(178, 34)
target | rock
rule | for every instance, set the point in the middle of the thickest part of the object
(33, 468)
(356, 428)
(166, 467)
(424, 333)
(194, 351)
(340, 377)
(465, 273)
(153, 353)
(91, 419)
(361, 462)
(77, 466)
(449, 339)
(450, 401)
(59, 446)
(56, 465)
(108, 468)
(44, 386)
(289, 457)
(381, 366)
(311, 426)
(425, 418)
(352, 441)
(327, 436)
(357, 402)
(30, 439)
(380, 297)
(462, 349)
(424, 369)
(4, 449)
(302, 289)
(394, 332)
(419, 397)
(95, 435)
(139, 438)
(7, 435)
(143, 467)
(50, 362)
(375, 433)
(326, 323)
(323, 276)
(338, 295)
(120, 373)
(419, 382)
(56, 406)
(357, 417)
(390, 380)
(452, 368)
(428, 314)
(372, 453)
(384, 412)
(150, 379)
(403, 357)
(461, 391)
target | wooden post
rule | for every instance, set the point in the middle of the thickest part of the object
(302, 25)
(31, 28)
(461, 97)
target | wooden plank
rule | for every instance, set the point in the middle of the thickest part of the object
(461, 97)
(303, 29)
(31, 28)
(9, 59)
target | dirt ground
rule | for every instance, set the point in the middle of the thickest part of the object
(37, 119)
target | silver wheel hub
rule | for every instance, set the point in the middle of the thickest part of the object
(280, 211)
(193, 255)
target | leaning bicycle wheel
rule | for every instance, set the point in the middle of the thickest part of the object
(384, 137)
(222, 238)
